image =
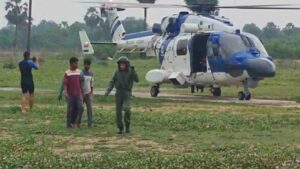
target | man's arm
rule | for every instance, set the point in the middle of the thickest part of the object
(66, 86)
(134, 75)
(81, 83)
(92, 84)
(33, 64)
(111, 85)
(61, 89)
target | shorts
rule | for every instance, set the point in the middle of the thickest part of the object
(27, 88)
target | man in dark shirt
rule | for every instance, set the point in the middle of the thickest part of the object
(27, 83)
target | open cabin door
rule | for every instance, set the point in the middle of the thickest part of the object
(198, 53)
(182, 59)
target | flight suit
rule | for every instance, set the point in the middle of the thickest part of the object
(123, 82)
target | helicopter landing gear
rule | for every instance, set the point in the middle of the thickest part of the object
(245, 95)
(216, 91)
(154, 91)
(197, 88)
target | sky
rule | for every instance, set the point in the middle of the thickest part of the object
(71, 11)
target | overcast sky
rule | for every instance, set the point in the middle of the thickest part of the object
(69, 10)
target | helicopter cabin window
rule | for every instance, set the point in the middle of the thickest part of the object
(182, 47)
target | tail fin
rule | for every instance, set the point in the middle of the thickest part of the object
(117, 29)
(86, 45)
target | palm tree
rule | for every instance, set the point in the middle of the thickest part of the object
(16, 15)
(205, 6)
(145, 10)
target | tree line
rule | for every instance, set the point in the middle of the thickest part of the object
(54, 36)
(49, 35)
(279, 42)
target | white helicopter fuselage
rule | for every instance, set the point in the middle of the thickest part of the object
(196, 50)
(173, 64)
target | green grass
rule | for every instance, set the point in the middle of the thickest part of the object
(284, 86)
(165, 134)
(52, 71)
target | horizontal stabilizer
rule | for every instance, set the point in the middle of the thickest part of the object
(103, 43)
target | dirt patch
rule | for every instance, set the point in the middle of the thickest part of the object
(167, 108)
(5, 134)
(95, 145)
(184, 97)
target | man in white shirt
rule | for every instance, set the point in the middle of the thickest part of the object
(88, 85)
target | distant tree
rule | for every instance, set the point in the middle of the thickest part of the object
(252, 28)
(290, 29)
(271, 30)
(6, 37)
(92, 19)
(132, 25)
(205, 6)
(48, 35)
(103, 30)
(73, 40)
(64, 26)
(16, 15)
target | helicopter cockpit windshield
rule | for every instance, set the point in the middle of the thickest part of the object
(231, 44)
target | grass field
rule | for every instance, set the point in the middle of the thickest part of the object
(165, 134)
(284, 86)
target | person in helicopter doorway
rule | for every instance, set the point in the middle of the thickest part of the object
(123, 81)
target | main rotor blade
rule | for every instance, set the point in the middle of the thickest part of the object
(148, 5)
(263, 8)
(136, 5)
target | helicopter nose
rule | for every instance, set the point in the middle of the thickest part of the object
(260, 67)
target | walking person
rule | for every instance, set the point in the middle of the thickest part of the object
(27, 82)
(123, 81)
(73, 94)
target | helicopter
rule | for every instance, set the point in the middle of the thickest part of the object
(194, 50)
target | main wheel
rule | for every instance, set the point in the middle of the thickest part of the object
(154, 91)
(248, 97)
(216, 92)
(241, 96)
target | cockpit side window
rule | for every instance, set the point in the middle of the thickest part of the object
(256, 43)
(182, 47)
(248, 42)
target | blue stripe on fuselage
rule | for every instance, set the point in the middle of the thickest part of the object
(138, 35)
(179, 21)
(163, 48)
(115, 27)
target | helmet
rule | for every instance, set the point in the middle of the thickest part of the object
(123, 59)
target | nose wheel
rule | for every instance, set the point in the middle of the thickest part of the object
(245, 95)
(154, 91)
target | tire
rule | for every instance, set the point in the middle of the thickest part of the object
(241, 96)
(217, 92)
(248, 97)
(154, 91)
